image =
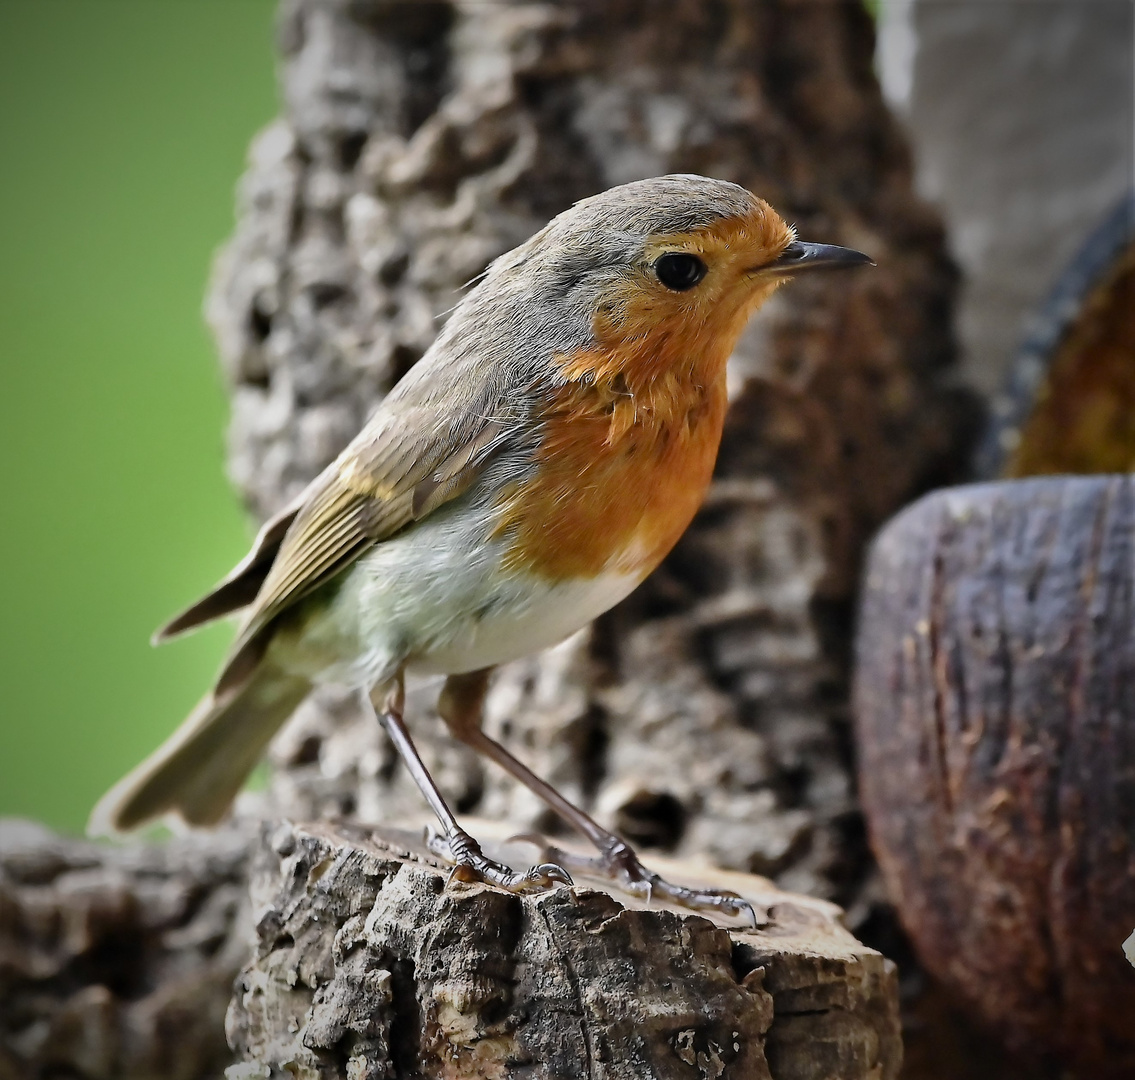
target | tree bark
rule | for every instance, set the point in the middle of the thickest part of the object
(368, 965)
(117, 963)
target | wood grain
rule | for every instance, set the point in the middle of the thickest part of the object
(995, 703)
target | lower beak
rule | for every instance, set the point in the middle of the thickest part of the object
(803, 256)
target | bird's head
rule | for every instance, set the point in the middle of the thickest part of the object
(650, 280)
(672, 266)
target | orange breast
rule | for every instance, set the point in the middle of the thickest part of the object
(620, 474)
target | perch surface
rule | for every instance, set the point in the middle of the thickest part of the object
(368, 964)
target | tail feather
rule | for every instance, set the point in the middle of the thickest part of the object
(199, 769)
(240, 587)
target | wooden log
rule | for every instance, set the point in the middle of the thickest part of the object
(117, 963)
(370, 965)
(995, 704)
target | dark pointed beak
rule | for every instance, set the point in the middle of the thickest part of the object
(803, 256)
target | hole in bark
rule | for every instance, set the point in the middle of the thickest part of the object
(392, 269)
(308, 751)
(593, 751)
(791, 784)
(296, 222)
(468, 800)
(406, 1023)
(743, 960)
(326, 293)
(350, 149)
(402, 359)
(880, 929)
(260, 323)
(853, 857)
(652, 818)
(119, 963)
(284, 941)
(834, 621)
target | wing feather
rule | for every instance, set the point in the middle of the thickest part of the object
(398, 470)
(239, 588)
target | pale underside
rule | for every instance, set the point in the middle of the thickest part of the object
(437, 599)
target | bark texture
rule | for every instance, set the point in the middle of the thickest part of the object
(420, 140)
(368, 965)
(995, 690)
(117, 963)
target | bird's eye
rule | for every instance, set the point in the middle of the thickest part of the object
(678, 271)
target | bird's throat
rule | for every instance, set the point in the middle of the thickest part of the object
(622, 467)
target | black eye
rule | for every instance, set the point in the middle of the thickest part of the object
(679, 272)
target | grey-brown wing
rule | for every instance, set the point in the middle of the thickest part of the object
(398, 470)
(239, 588)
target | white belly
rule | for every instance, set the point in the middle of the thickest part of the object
(435, 600)
(527, 616)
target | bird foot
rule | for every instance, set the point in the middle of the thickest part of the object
(471, 864)
(618, 863)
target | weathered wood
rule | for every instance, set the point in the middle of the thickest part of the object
(117, 963)
(369, 965)
(995, 702)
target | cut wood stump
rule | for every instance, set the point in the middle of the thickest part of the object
(370, 963)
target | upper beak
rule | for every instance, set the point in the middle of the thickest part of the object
(803, 256)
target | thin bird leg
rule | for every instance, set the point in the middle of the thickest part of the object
(470, 863)
(460, 706)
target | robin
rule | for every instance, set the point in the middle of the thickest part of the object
(529, 472)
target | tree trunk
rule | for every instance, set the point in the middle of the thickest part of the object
(368, 965)
(117, 963)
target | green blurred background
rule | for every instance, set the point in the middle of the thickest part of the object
(124, 125)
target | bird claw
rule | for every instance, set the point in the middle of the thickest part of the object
(618, 863)
(471, 864)
(551, 874)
